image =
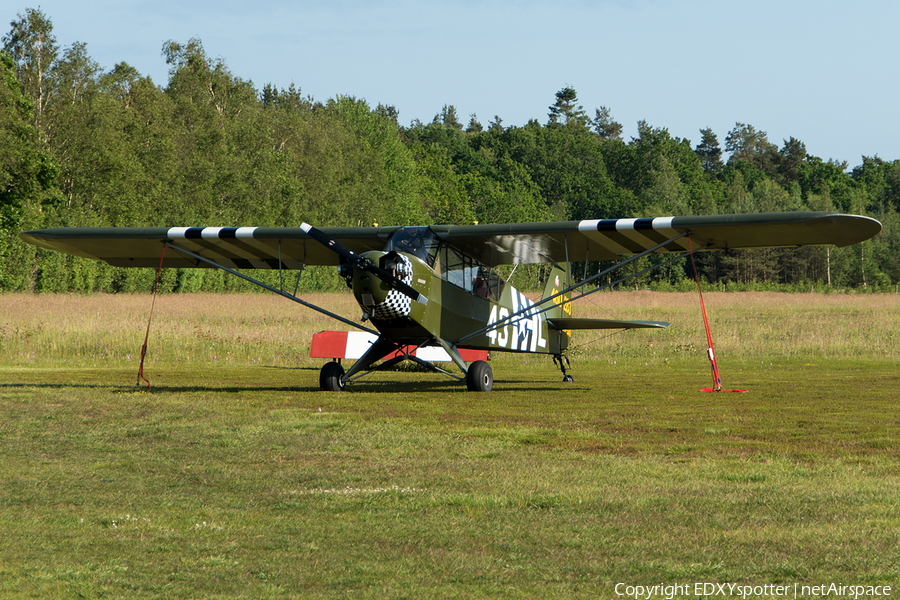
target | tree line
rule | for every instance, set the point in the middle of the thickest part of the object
(86, 147)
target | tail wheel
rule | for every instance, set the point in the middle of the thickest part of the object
(480, 377)
(330, 377)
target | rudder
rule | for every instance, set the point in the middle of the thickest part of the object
(562, 306)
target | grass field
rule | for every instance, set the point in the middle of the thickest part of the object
(234, 477)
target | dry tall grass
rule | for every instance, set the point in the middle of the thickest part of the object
(47, 330)
(212, 328)
(753, 324)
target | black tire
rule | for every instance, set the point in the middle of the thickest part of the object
(330, 377)
(480, 377)
(568, 379)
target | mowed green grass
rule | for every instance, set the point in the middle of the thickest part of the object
(239, 479)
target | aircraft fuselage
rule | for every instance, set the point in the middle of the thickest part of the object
(460, 301)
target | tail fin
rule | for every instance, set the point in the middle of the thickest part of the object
(558, 280)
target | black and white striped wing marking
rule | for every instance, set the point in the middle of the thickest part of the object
(233, 247)
(632, 236)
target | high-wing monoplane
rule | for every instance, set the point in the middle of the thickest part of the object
(436, 286)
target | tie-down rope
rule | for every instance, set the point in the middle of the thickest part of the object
(717, 380)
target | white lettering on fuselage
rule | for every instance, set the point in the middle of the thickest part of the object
(527, 326)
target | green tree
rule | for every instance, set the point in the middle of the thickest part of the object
(33, 48)
(709, 152)
(393, 202)
(660, 173)
(207, 100)
(120, 83)
(824, 185)
(28, 189)
(474, 126)
(567, 167)
(751, 146)
(448, 117)
(497, 188)
(881, 180)
(75, 74)
(566, 110)
(605, 126)
(502, 192)
(665, 194)
(790, 157)
(443, 193)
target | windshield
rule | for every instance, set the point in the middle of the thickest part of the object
(418, 241)
(449, 264)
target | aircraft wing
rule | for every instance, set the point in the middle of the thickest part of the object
(570, 241)
(234, 247)
(611, 239)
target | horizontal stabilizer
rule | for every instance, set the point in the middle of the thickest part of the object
(567, 324)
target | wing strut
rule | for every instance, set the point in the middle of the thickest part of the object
(530, 310)
(256, 282)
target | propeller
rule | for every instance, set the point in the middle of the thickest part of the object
(362, 263)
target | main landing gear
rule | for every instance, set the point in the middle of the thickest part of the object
(480, 377)
(330, 377)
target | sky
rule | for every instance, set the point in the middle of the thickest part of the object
(822, 71)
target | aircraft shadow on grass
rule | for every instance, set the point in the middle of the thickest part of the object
(160, 385)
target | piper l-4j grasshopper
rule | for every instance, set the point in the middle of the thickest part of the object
(435, 286)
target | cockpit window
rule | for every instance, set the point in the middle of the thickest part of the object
(466, 272)
(418, 241)
(449, 264)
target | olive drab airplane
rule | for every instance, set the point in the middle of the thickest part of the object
(422, 287)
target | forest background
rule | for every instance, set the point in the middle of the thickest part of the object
(84, 147)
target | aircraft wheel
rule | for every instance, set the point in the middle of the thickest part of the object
(480, 377)
(568, 379)
(330, 377)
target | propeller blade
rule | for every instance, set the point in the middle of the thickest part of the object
(321, 237)
(363, 263)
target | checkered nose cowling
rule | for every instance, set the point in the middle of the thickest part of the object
(396, 305)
